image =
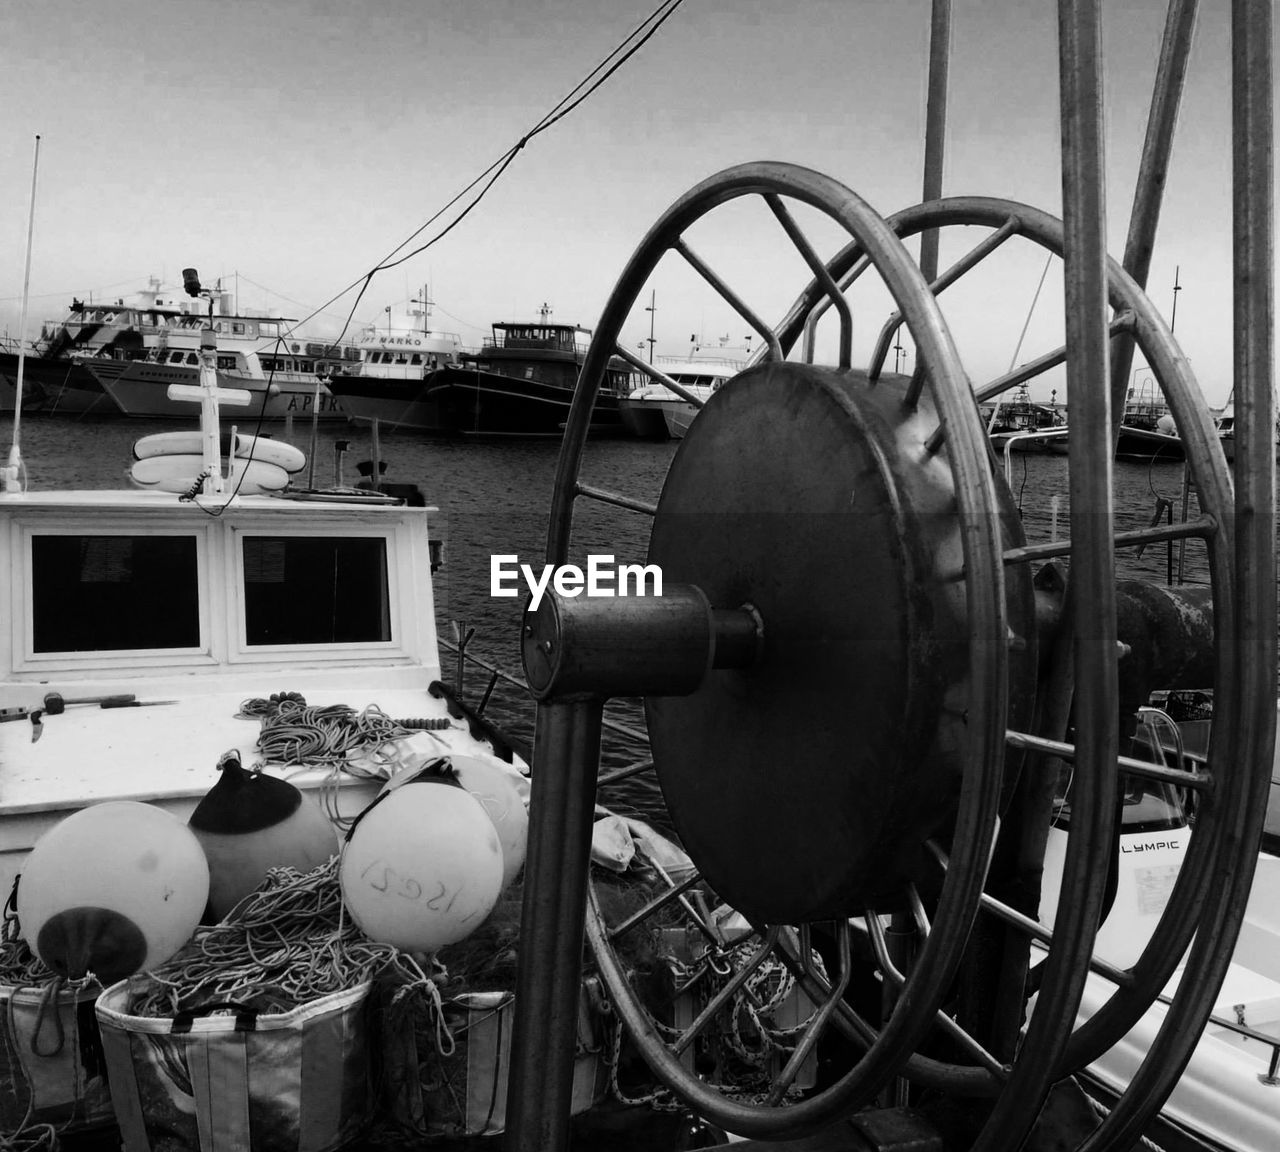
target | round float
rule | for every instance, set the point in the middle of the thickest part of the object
(191, 443)
(177, 473)
(422, 866)
(113, 889)
(249, 822)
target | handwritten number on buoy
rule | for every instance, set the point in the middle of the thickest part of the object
(391, 881)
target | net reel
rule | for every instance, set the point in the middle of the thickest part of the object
(848, 712)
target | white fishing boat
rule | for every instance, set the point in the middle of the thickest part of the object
(397, 358)
(1226, 1097)
(654, 411)
(144, 621)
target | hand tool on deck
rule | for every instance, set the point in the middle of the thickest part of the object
(55, 703)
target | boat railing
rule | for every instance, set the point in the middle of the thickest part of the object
(1272, 1076)
(1017, 437)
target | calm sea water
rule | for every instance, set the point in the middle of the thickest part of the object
(494, 497)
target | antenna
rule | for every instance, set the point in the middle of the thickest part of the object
(14, 468)
(652, 310)
(208, 394)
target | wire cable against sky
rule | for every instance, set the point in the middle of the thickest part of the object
(633, 42)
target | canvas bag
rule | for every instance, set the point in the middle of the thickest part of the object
(463, 1092)
(295, 1081)
(51, 1065)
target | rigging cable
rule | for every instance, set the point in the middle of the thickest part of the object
(630, 45)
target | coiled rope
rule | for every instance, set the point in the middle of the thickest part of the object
(337, 737)
(294, 732)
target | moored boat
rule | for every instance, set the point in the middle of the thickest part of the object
(122, 356)
(653, 411)
(1013, 421)
(520, 383)
(397, 359)
(322, 593)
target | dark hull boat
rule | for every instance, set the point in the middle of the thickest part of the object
(520, 383)
(473, 402)
(53, 386)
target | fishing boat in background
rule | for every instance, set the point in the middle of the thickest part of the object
(1227, 432)
(50, 385)
(1147, 429)
(389, 383)
(121, 357)
(654, 411)
(520, 383)
(1010, 421)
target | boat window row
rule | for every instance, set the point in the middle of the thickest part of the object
(288, 364)
(563, 338)
(96, 592)
(395, 358)
(193, 321)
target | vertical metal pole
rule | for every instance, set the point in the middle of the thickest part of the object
(1153, 171)
(1092, 576)
(1254, 641)
(13, 473)
(935, 128)
(1253, 138)
(566, 753)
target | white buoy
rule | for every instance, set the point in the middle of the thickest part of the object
(422, 867)
(113, 889)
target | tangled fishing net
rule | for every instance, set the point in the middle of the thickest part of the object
(286, 944)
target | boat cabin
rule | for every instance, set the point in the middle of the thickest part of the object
(185, 611)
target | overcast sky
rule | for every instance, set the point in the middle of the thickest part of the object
(290, 146)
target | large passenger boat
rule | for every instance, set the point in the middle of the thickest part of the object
(122, 356)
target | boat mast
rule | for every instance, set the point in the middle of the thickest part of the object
(14, 468)
(652, 309)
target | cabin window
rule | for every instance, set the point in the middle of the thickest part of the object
(226, 362)
(175, 357)
(416, 358)
(94, 593)
(237, 329)
(192, 358)
(306, 366)
(316, 590)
